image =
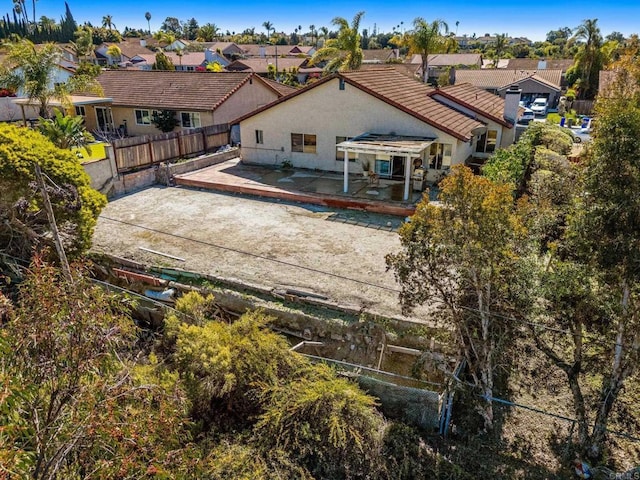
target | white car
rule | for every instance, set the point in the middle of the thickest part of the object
(527, 116)
(539, 106)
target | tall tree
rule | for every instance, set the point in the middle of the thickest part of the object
(499, 47)
(107, 22)
(32, 70)
(588, 59)
(83, 45)
(171, 25)
(147, 16)
(208, 32)
(268, 26)
(461, 257)
(425, 39)
(314, 34)
(343, 52)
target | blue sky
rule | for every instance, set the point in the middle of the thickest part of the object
(516, 18)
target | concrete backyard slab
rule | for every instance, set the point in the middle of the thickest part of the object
(335, 253)
(316, 187)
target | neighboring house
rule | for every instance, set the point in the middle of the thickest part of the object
(533, 83)
(383, 122)
(263, 66)
(302, 50)
(380, 55)
(440, 63)
(229, 50)
(198, 99)
(562, 64)
(250, 50)
(491, 63)
(132, 49)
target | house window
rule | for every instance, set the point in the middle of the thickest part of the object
(259, 137)
(340, 155)
(383, 165)
(190, 119)
(80, 111)
(143, 117)
(303, 142)
(440, 156)
(487, 142)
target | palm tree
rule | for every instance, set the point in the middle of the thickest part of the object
(83, 45)
(345, 51)
(208, 32)
(588, 58)
(164, 38)
(325, 34)
(425, 39)
(147, 15)
(114, 53)
(268, 26)
(66, 132)
(313, 32)
(33, 70)
(500, 45)
(107, 22)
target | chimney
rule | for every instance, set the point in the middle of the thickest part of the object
(263, 51)
(143, 42)
(512, 103)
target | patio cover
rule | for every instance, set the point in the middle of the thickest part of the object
(388, 144)
(73, 100)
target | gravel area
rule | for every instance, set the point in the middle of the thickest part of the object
(335, 253)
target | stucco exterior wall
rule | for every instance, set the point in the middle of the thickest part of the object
(328, 112)
(252, 95)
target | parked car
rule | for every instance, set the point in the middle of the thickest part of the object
(539, 106)
(527, 116)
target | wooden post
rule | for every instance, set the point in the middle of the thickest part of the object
(150, 143)
(180, 149)
(204, 139)
(54, 227)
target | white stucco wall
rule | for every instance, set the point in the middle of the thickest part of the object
(328, 112)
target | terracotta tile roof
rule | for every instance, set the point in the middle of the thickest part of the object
(534, 63)
(480, 101)
(130, 47)
(188, 58)
(298, 49)
(448, 59)
(261, 65)
(225, 47)
(406, 94)
(498, 78)
(413, 97)
(380, 55)
(203, 91)
(406, 69)
(255, 50)
(281, 88)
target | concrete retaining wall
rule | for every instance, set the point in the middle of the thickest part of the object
(131, 182)
(170, 169)
(103, 174)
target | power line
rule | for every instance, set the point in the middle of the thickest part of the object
(585, 335)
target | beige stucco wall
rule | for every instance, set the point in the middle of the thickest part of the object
(252, 95)
(328, 112)
(249, 97)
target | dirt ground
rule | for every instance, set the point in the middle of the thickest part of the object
(335, 253)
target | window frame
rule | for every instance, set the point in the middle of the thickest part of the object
(304, 143)
(81, 111)
(191, 116)
(259, 137)
(487, 142)
(140, 118)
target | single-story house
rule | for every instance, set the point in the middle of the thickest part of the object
(198, 99)
(440, 62)
(380, 55)
(263, 66)
(381, 121)
(533, 83)
(230, 50)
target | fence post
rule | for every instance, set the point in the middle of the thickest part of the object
(204, 139)
(180, 149)
(150, 143)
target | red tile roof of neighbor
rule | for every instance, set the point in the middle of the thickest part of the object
(502, 77)
(406, 94)
(203, 91)
(480, 101)
(261, 65)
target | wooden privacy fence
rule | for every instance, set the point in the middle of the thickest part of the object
(583, 107)
(140, 152)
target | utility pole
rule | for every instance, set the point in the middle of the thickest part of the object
(54, 227)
